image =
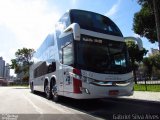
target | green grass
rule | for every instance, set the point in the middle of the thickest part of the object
(153, 88)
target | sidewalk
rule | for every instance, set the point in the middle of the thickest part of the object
(145, 95)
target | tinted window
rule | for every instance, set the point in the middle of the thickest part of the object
(103, 57)
(52, 67)
(65, 21)
(84, 19)
(40, 70)
(49, 41)
(95, 22)
(68, 54)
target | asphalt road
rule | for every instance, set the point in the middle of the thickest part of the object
(19, 103)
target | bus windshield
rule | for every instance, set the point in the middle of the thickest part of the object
(109, 57)
(94, 22)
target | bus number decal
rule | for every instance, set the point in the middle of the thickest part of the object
(68, 80)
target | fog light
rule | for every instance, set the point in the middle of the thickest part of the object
(85, 90)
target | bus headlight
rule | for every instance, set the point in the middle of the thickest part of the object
(73, 75)
(124, 83)
(86, 79)
(82, 78)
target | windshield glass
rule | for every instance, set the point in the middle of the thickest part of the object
(95, 22)
(107, 57)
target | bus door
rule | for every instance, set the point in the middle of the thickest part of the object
(67, 81)
(60, 78)
(67, 60)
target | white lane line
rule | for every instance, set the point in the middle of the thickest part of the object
(53, 105)
(61, 108)
(48, 102)
(36, 108)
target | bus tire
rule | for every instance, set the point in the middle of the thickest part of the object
(48, 91)
(55, 96)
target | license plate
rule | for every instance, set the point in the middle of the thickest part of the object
(113, 92)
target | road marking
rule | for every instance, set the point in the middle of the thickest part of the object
(37, 108)
(64, 109)
(59, 107)
(55, 105)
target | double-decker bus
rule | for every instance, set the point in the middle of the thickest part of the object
(86, 57)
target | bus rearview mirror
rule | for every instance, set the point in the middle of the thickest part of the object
(138, 41)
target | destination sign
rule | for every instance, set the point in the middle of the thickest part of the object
(92, 40)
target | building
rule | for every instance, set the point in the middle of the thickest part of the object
(2, 67)
(4, 70)
(3, 82)
(7, 72)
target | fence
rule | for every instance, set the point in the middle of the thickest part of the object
(148, 85)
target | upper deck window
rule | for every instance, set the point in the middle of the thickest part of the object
(65, 20)
(95, 22)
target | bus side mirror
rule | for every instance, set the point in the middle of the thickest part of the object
(138, 41)
(75, 28)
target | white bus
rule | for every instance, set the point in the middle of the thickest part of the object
(86, 57)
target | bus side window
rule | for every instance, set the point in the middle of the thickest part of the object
(67, 54)
(62, 24)
(52, 67)
(40, 70)
(65, 21)
(35, 73)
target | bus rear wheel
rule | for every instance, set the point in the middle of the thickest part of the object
(48, 92)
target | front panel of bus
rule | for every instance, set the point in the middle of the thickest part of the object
(100, 60)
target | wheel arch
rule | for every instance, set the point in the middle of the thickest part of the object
(53, 81)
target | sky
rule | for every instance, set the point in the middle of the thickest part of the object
(26, 23)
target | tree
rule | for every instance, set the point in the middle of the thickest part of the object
(15, 65)
(152, 64)
(135, 55)
(156, 60)
(144, 20)
(22, 61)
(24, 55)
(148, 62)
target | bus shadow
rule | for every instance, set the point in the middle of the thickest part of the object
(109, 107)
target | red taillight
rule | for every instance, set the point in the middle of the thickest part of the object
(76, 71)
(77, 84)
